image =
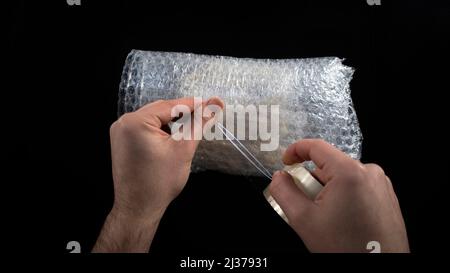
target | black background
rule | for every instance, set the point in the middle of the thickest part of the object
(64, 68)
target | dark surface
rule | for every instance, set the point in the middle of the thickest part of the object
(66, 69)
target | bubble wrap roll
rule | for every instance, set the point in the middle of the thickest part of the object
(313, 96)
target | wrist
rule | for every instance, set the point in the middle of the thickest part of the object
(140, 212)
(135, 218)
(125, 232)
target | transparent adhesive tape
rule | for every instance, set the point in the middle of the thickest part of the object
(313, 96)
(303, 179)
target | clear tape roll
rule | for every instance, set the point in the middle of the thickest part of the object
(303, 179)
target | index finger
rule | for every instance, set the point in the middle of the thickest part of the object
(316, 150)
(161, 111)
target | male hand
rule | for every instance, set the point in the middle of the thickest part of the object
(357, 204)
(150, 168)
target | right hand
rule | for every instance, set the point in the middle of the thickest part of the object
(357, 204)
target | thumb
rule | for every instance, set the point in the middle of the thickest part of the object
(205, 116)
(292, 200)
(203, 113)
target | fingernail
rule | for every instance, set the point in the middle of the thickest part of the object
(216, 101)
(207, 112)
(275, 180)
(276, 174)
(282, 175)
(208, 102)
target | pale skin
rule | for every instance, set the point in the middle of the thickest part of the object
(357, 205)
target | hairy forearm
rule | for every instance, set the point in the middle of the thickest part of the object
(124, 233)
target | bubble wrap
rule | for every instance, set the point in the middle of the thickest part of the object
(313, 96)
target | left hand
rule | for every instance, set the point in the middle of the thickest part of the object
(150, 168)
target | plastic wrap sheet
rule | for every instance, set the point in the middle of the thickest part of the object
(313, 96)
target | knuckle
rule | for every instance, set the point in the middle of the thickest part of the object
(151, 105)
(388, 180)
(321, 142)
(354, 173)
(374, 169)
(158, 102)
(113, 127)
(126, 123)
